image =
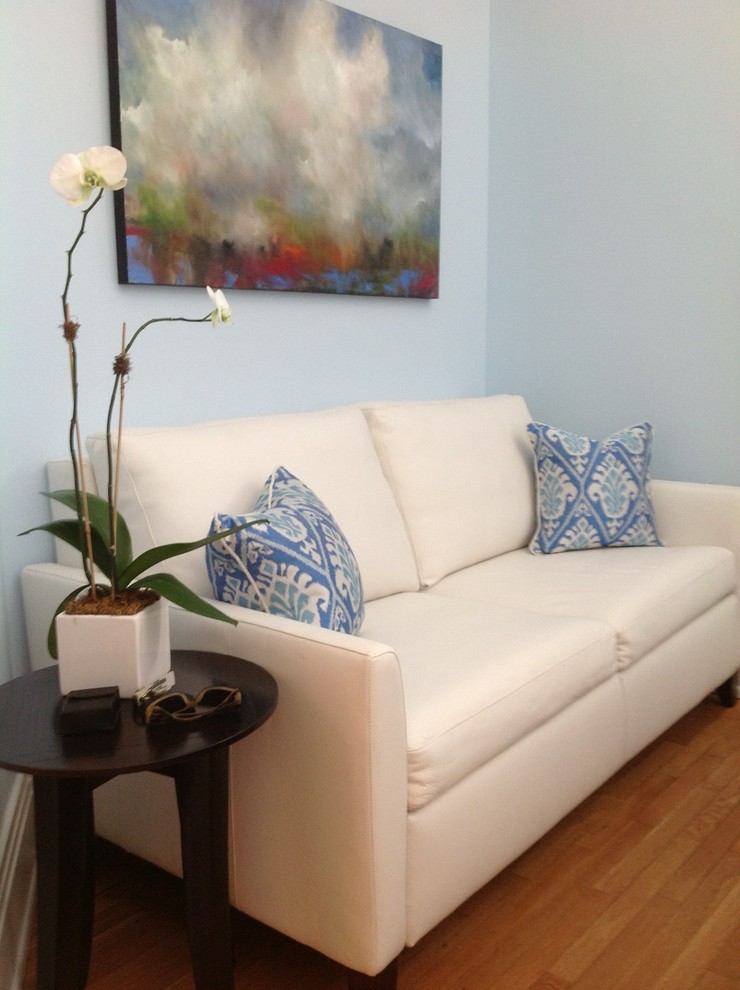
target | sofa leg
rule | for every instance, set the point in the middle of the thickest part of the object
(726, 692)
(387, 980)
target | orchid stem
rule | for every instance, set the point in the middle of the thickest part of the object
(71, 251)
(75, 441)
(117, 473)
(166, 319)
(78, 470)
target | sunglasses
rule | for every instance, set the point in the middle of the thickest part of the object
(180, 707)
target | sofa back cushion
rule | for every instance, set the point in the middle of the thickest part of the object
(462, 473)
(174, 479)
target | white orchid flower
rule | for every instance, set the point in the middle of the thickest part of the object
(222, 311)
(76, 175)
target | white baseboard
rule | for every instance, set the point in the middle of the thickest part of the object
(17, 881)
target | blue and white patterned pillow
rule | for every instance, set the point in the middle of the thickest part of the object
(592, 493)
(298, 564)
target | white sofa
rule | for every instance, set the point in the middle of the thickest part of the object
(488, 692)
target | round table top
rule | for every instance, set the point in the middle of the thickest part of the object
(30, 740)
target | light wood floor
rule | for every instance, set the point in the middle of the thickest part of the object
(637, 889)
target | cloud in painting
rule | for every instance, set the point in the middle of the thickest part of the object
(271, 123)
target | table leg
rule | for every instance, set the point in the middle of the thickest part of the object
(202, 785)
(65, 869)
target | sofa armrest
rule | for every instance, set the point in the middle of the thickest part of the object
(690, 513)
(319, 842)
(319, 793)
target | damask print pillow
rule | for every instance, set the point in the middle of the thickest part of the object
(592, 493)
(297, 564)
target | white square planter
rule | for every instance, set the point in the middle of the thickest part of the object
(127, 651)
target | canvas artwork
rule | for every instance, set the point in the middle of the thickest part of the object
(287, 145)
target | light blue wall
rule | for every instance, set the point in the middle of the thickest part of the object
(282, 352)
(615, 221)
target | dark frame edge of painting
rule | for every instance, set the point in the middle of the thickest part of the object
(114, 98)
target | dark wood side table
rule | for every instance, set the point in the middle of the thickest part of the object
(67, 769)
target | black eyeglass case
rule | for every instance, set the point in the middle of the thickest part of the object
(90, 710)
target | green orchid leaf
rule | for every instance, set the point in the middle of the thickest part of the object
(68, 530)
(150, 558)
(99, 513)
(98, 508)
(175, 591)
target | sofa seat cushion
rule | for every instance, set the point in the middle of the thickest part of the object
(478, 676)
(461, 471)
(173, 480)
(644, 593)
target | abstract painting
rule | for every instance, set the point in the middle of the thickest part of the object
(288, 145)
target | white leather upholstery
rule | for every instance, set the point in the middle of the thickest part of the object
(644, 593)
(461, 472)
(459, 842)
(662, 687)
(468, 697)
(688, 513)
(174, 479)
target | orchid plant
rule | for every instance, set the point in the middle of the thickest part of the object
(98, 531)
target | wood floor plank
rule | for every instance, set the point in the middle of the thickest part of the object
(549, 982)
(693, 961)
(716, 843)
(726, 960)
(690, 799)
(727, 774)
(445, 953)
(715, 981)
(654, 757)
(683, 787)
(724, 744)
(687, 756)
(543, 857)
(662, 948)
(606, 856)
(543, 939)
(632, 899)
(622, 955)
